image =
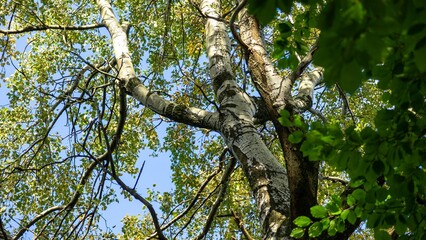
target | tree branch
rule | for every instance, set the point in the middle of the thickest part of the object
(345, 102)
(198, 194)
(177, 112)
(232, 25)
(304, 63)
(335, 179)
(220, 196)
(144, 202)
(43, 27)
(270, 84)
(308, 81)
(240, 225)
(319, 114)
(36, 219)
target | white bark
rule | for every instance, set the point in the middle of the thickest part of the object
(276, 93)
(180, 113)
(267, 177)
(308, 81)
(272, 86)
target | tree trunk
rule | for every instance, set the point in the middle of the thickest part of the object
(276, 92)
(267, 177)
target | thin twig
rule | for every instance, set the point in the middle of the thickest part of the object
(139, 175)
(304, 63)
(197, 195)
(319, 114)
(220, 197)
(232, 25)
(345, 102)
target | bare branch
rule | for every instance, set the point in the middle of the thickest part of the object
(319, 114)
(139, 175)
(336, 179)
(220, 197)
(232, 25)
(144, 201)
(198, 194)
(43, 27)
(240, 225)
(304, 63)
(345, 102)
(177, 112)
(36, 219)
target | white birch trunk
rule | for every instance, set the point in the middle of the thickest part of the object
(276, 92)
(267, 177)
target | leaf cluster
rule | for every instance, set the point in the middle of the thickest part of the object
(380, 41)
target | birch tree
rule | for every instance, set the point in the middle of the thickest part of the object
(90, 84)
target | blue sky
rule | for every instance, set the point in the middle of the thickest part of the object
(156, 169)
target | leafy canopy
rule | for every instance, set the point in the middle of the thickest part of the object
(384, 42)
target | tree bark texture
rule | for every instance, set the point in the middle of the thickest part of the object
(276, 92)
(281, 193)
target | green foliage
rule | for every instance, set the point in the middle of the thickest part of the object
(319, 212)
(373, 50)
(385, 43)
(302, 221)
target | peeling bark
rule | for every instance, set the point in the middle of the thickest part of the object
(276, 92)
(272, 87)
(266, 176)
(280, 193)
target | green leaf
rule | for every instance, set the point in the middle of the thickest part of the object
(285, 118)
(352, 217)
(350, 77)
(420, 44)
(315, 229)
(284, 28)
(378, 167)
(332, 230)
(340, 225)
(296, 137)
(416, 28)
(325, 223)
(350, 200)
(298, 122)
(359, 194)
(334, 205)
(302, 221)
(401, 225)
(264, 10)
(356, 183)
(344, 215)
(419, 54)
(382, 235)
(319, 211)
(297, 232)
(358, 211)
(333, 209)
(373, 220)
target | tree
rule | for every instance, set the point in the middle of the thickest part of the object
(247, 147)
